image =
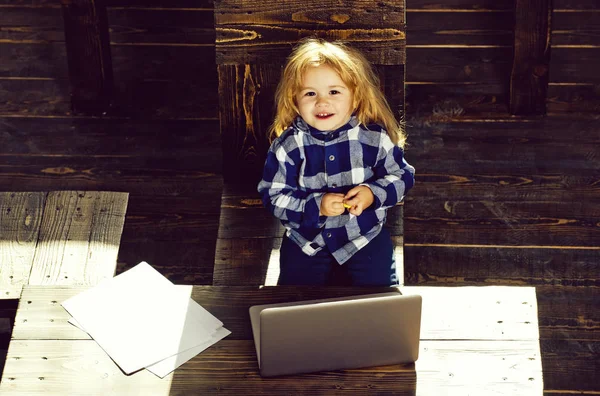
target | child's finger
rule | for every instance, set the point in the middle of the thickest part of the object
(351, 194)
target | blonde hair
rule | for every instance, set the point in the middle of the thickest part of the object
(355, 71)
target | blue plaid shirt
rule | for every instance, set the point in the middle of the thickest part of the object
(304, 163)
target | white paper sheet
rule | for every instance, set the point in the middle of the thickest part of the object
(140, 318)
(166, 366)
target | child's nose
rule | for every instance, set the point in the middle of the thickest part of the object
(321, 101)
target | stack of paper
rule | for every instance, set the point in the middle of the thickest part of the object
(142, 320)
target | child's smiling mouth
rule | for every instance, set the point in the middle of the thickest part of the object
(323, 116)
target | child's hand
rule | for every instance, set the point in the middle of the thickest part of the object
(359, 199)
(332, 204)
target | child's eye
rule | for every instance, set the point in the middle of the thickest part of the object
(309, 94)
(334, 92)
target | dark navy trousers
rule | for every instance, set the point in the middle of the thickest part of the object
(373, 265)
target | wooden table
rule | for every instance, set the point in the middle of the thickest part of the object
(58, 238)
(475, 341)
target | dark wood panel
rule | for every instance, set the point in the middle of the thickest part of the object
(119, 3)
(393, 86)
(155, 177)
(478, 5)
(166, 98)
(143, 99)
(452, 65)
(184, 218)
(299, 14)
(477, 187)
(576, 28)
(188, 262)
(27, 24)
(37, 97)
(509, 148)
(529, 76)
(33, 60)
(575, 65)
(511, 223)
(251, 222)
(574, 98)
(244, 261)
(128, 16)
(162, 25)
(568, 313)
(271, 44)
(170, 62)
(459, 28)
(431, 265)
(428, 102)
(578, 372)
(246, 106)
(197, 140)
(159, 3)
(88, 55)
(193, 64)
(576, 4)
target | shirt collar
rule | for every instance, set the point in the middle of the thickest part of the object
(300, 124)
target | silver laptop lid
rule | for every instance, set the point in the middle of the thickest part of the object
(332, 334)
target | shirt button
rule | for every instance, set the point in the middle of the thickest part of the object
(329, 235)
(331, 157)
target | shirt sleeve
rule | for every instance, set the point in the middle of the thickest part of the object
(393, 175)
(280, 192)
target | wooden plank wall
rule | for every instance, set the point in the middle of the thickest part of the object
(520, 193)
(160, 142)
(575, 58)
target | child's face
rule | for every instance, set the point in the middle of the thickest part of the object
(324, 100)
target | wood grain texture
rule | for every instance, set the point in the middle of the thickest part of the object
(571, 366)
(510, 223)
(264, 32)
(230, 365)
(34, 97)
(79, 238)
(569, 313)
(531, 61)
(489, 65)
(26, 24)
(218, 370)
(461, 265)
(575, 27)
(573, 98)
(575, 64)
(20, 221)
(512, 147)
(270, 44)
(506, 313)
(182, 219)
(88, 55)
(134, 174)
(246, 111)
(135, 25)
(460, 5)
(457, 368)
(189, 261)
(458, 27)
(196, 143)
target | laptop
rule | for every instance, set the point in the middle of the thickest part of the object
(336, 333)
